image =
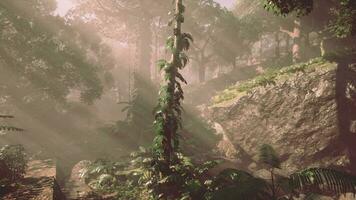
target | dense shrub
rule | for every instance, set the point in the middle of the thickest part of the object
(13, 159)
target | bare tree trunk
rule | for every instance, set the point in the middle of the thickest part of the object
(287, 49)
(157, 46)
(202, 72)
(261, 48)
(277, 50)
(306, 46)
(144, 47)
(296, 50)
(234, 64)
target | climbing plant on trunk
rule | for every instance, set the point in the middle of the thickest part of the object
(168, 113)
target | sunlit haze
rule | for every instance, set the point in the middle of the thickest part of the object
(177, 99)
(63, 6)
(226, 3)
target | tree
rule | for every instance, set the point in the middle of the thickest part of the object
(220, 35)
(43, 55)
(235, 36)
(131, 23)
(330, 18)
(269, 23)
(203, 17)
(168, 113)
(126, 21)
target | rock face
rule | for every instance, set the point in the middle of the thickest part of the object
(308, 117)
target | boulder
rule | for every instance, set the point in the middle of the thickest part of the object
(309, 117)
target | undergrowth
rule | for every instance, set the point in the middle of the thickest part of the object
(265, 79)
(139, 177)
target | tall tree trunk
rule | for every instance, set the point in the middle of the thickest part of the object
(273, 185)
(277, 50)
(234, 64)
(306, 46)
(202, 72)
(157, 46)
(287, 49)
(296, 50)
(145, 50)
(322, 47)
(261, 48)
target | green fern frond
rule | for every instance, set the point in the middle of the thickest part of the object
(269, 156)
(10, 128)
(324, 180)
(6, 116)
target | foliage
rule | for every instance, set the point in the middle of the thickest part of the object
(269, 156)
(6, 127)
(44, 56)
(344, 23)
(301, 7)
(238, 185)
(106, 177)
(343, 12)
(14, 158)
(323, 179)
(265, 79)
(139, 176)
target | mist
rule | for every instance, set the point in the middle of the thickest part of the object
(184, 99)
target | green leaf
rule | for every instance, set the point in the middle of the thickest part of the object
(188, 36)
(181, 78)
(161, 63)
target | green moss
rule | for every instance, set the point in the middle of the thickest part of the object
(267, 78)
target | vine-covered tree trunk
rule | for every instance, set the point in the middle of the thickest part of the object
(169, 109)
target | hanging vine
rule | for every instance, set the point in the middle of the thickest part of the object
(169, 109)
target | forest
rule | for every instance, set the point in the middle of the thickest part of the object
(178, 99)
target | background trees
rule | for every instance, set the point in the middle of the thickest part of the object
(322, 17)
(37, 58)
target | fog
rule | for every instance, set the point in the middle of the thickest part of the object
(80, 77)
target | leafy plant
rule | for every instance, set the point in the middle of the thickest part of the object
(14, 159)
(8, 128)
(238, 185)
(323, 180)
(313, 180)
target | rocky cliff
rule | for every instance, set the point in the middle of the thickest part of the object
(306, 112)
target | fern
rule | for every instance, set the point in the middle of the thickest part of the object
(6, 116)
(323, 180)
(269, 156)
(9, 128)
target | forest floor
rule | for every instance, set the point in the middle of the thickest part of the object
(75, 187)
(38, 184)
